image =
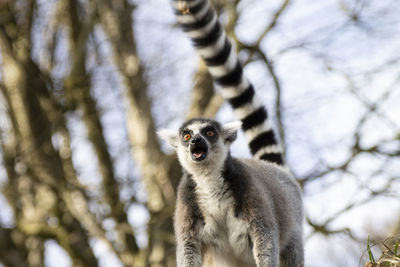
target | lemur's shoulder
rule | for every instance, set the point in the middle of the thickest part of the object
(187, 201)
(270, 176)
(266, 167)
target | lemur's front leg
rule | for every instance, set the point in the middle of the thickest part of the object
(188, 251)
(265, 239)
(186, 224)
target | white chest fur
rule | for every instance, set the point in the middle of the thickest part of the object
(226, 235)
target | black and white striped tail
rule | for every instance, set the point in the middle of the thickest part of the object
(199, 21)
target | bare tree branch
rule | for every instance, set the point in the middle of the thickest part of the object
(79, 85)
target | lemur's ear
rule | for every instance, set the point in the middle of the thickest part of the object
(229, 131)
(170, 136)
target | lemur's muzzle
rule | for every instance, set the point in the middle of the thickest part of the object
(198, 148)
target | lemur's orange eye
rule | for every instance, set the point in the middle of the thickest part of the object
(186, 137)
(210, 133)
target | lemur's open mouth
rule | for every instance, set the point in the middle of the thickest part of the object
(199, 152)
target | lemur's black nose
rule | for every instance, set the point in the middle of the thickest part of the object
(195, 140)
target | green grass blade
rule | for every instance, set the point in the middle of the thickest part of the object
(370, 255)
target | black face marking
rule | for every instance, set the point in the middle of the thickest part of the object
(210, 129)
(183, 134)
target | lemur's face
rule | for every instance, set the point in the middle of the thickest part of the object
(201, 143)
(199, 140)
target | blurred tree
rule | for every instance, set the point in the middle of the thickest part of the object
(61, 61)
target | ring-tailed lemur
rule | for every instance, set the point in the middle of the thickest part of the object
(199, 21)
(231, 212)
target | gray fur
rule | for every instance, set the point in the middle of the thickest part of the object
(234, 212)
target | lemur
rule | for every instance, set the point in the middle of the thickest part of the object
(231, 211)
